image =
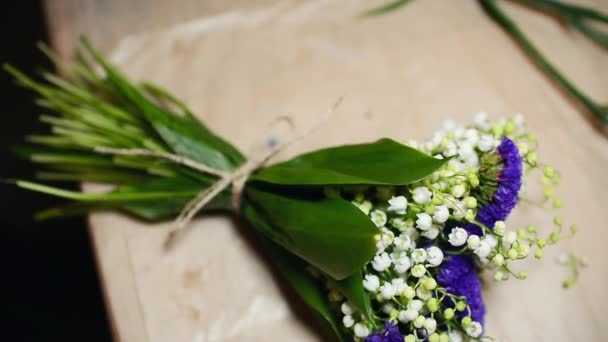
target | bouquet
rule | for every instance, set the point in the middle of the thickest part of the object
(385, 241)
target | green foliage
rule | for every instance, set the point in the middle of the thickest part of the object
(384, 162)
(352, 288)
(331, 234)
(90, 109)
(307, 287)
(95, 106)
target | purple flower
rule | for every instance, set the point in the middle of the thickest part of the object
(459, 276)
(390, 333)
(507, 171)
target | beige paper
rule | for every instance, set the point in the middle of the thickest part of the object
(400, 75)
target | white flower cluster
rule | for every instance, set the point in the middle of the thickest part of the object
(415, 222)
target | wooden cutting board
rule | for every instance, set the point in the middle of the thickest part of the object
(239, 65)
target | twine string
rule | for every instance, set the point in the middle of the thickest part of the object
(259, 157)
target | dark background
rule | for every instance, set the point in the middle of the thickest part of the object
(50, 289)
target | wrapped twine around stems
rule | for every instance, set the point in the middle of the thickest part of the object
(260, 156)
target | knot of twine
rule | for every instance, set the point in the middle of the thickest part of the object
(236, 178)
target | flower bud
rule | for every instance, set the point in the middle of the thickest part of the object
(398, 205)
(466, 321)
(406, 316)
(448, 314)
(497, 130)
(441, 214)
(458, 190)
(429, 284)
(473, 180)
(394, 314)
(573, 229)
(418, 271)
(473, 241)
(523, 250)
(421, 195)
(554, 237)
(424, 221)
(470, 202)
(500, 275)
(361, 330)
(469, 215)
(409, 292)
(457, 236)
(509, 238)
(461, 306)
(499, 260)
(434, 256)
(432, 304)
(348, 321)
(430, 325)
(346, 309)
(371, 283)
(474, 329)
(558, 203)
(522, 234)
(378, 217)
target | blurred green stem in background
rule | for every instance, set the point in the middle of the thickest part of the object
(580, 18)
(575, 16)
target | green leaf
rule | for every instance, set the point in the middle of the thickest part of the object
(153, 199)
(307, 287)
(110, 197)
(185, 135)
(331, 234)
(169, 207)
(384, 162)
(352, 288)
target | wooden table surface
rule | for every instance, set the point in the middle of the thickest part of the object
(241, 64)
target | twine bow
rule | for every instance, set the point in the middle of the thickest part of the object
(260, 156)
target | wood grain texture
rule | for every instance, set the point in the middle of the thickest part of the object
(241, 65)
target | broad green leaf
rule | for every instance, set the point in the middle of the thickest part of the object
(307, 287)
(352, 288)
(331, 234)
(384, 162)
